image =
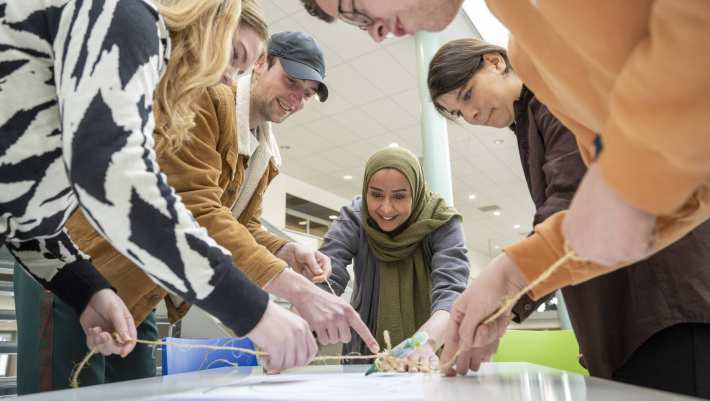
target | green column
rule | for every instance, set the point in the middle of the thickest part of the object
(435, 137)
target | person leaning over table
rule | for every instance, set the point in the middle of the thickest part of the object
(633, 323)
(408, 254)
(221, 173)
(100, 63)
(622, 75)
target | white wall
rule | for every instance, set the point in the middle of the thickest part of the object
(275, 198)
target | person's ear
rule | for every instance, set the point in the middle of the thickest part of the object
(496, 60)
(261, 64)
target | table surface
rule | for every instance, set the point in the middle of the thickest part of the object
(494, 382)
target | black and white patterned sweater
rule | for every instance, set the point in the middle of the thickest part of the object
(76, 123)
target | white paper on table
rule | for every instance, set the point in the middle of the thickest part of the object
(319, 387)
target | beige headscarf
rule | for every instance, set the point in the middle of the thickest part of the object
(405, 282)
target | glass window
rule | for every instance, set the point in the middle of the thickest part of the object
(317, 229)
(298, 224)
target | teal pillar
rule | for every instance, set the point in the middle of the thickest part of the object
(435, 136)
(565, 323)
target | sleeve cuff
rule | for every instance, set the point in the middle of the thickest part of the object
(523, 309)
(275, 244)
(533, 256)
(76, 283)
(538, 252)
(263, 275)
(637, 173)
(242, 317)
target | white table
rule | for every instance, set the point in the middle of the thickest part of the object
(495, 382)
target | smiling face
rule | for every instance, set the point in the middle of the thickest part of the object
(399, 17)
(488, 96)
(275, 95)
(389, 199)
(247, 46)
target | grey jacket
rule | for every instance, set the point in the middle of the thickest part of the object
(345, 243)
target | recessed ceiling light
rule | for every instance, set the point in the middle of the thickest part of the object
(332, 217)
(496, 213)
(516, 226)
(302, 223)
(498, 141)
(472, 197)
(394, 145)
(347, 177)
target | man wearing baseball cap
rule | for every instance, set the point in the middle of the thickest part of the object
(292, 72)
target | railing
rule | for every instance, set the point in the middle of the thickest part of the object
(8, 347)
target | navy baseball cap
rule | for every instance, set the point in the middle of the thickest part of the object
(301, 58)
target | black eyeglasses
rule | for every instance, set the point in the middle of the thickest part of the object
(354, 17)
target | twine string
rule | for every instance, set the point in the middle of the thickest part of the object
(510, 301)
(384, 360)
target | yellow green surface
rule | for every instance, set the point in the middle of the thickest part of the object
(553, 348)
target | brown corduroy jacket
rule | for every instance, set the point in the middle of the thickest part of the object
(630, 72)
(207, 172)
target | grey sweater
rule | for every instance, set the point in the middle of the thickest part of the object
(345, 243)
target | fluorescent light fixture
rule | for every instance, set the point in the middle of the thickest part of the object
(517, 226)
(347, 177)
(472, 197)
(486, 23)
(332, 217)
(497, 213)
(394, 145)
(302, 223)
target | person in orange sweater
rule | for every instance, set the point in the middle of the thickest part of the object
(629, 82)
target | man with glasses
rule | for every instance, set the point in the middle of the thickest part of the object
(382, 18)
(631, 85)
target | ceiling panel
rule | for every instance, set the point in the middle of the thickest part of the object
(335, 104)
(389, 114)
(288, 6)
(403, 50)
(384, 72)
(409, 101)
(354, 87)
(360, 122)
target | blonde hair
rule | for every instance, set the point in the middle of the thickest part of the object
(201, 33)
(253, 18)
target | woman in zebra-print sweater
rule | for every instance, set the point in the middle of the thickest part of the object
(77, 80)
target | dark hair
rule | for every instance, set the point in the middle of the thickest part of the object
(455, 63)
(314, 9)
(270, 60)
